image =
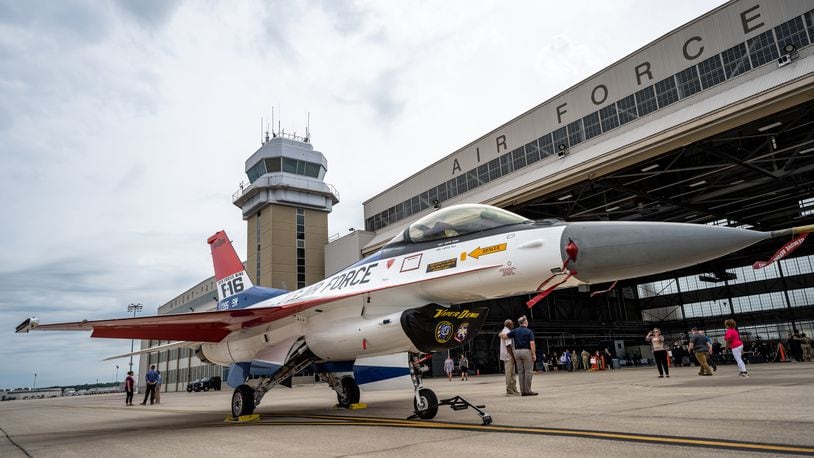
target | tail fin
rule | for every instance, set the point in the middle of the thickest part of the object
(230, 276)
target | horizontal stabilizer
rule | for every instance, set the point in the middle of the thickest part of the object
(27, 325)
(157, 348)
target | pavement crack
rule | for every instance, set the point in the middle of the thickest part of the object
(15, 444)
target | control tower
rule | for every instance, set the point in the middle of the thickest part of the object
(286, 205)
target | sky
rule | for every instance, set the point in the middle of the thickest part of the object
(124, 127)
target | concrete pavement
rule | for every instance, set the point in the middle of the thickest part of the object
(627, 412)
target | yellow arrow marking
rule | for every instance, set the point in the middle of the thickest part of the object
(478, 252)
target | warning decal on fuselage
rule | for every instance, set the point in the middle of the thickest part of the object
(442, 265)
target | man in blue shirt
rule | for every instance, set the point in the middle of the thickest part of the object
(525, 352)
(152, 379)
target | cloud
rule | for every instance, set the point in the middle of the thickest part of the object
(125, 126)
(68, 22)
(149, 13)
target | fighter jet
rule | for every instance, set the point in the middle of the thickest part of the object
(369, 325)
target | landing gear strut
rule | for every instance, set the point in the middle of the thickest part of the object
(425, 402)
(248, 395)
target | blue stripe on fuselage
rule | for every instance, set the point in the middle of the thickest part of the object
(249, 297)
(370, 374)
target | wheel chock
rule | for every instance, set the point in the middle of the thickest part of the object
(357, 406)
(243, 418)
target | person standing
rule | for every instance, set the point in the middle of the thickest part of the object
(159, 381)
(608, 358)
(701, 347)
(806, 347)
(575, 360)
(795, 346)
(129, 386)
(659, 352)
(733, 342)
(525, 351)
(677, 354)
(463, 364)
(150, 378)
(449, 366)
(507, 356)
(586, 360)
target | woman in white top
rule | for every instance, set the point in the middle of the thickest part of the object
(659, 352)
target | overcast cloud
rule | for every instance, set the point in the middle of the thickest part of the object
(124, 127)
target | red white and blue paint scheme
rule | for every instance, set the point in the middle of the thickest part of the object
(368, 325)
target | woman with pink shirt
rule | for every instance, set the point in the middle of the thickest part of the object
(733, 342)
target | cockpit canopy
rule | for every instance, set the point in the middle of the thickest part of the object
(458, 220)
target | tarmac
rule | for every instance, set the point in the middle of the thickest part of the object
(628, 412)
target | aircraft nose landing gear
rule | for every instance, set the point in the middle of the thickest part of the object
(425, 402)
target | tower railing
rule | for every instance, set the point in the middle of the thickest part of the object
(271, 181)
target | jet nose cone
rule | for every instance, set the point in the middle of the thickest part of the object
(609, 251)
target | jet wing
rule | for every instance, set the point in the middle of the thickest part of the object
(211, 326)
(198, 326)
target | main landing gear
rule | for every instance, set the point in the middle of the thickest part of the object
(425, 402)
(243, 401)
(347, 391)
(248, 395)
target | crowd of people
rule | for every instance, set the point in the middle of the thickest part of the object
(520, 357)
(706, 352)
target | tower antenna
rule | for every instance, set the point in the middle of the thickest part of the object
(307, 127)
(272, 123)
(261, 131)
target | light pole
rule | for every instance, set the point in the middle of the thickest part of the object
(135, 308)
(35, 381)
(117, 373)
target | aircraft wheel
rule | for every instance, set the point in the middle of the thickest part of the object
(189, 389)
(242, 401)
(429, 404)
(351, 390)
(206, 388)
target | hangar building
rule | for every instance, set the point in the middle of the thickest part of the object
(712, 123)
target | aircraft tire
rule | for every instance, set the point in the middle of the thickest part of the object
(430, 401)
(206, 388)
(242, 401)
(189, 389)
(351, 390)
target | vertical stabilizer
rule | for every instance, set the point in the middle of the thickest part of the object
(230, 276)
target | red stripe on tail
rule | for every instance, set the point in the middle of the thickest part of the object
(224, 256)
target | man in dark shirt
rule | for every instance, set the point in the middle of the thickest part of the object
(701, 347)
(525, 352)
